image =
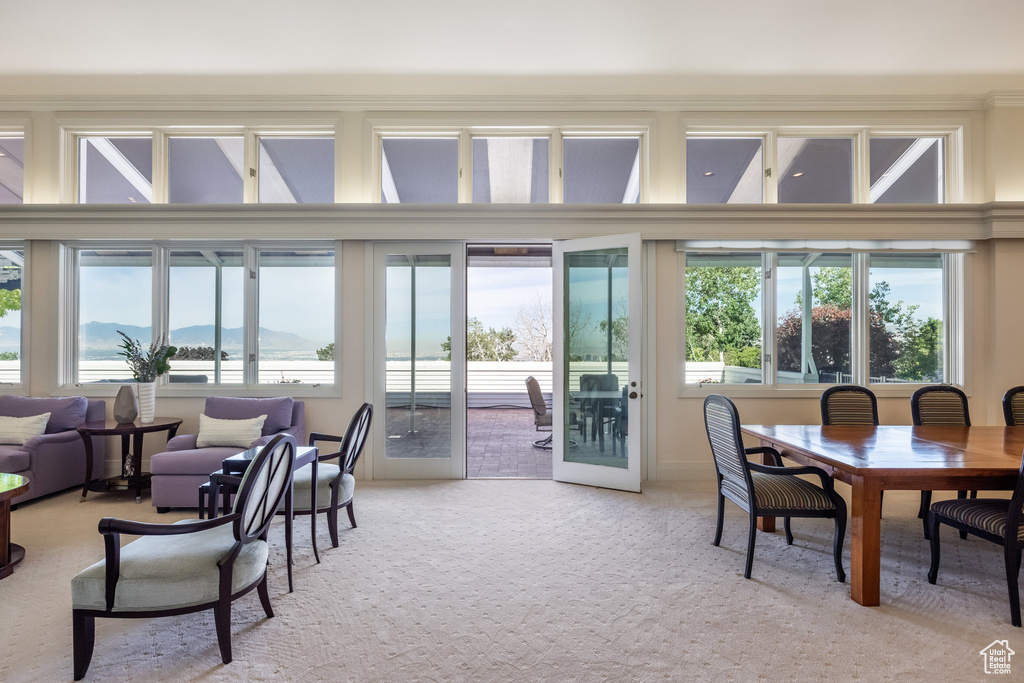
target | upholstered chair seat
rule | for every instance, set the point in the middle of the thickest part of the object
(170, 572)
(326, 473)
(997, 520)
(783, 492)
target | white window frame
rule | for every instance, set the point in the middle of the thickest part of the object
(69, 311)
(70, 135)
(952, 136)
(955, 259)
(20, 132)
(556, 134)
(25, 348)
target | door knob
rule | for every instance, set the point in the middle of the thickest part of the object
(632, 394)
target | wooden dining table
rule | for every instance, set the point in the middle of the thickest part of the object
(902, 457)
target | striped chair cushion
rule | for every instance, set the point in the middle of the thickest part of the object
(986, 514)
(941, 408)
(850, 408)
(784, 492)
(1017, 408)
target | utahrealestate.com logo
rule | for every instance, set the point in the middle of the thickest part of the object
(997, 657)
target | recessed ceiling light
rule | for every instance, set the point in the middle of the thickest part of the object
(798, 174)
(709, 173)
(2, 154)
(131, 199)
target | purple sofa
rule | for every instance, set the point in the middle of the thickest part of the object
(178, 471)
(54, 460)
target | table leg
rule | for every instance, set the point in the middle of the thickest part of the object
(289, 500)
(766, 523)
(5, 533)
(866, 541)
(87, 440)
(137, 466)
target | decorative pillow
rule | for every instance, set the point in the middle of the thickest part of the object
(214, 432)
(18, 430)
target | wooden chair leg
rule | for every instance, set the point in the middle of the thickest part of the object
(750, 546)
(351, 513)
(837, 545)
(933, 571)
(788, 529)
(84, 636)
(222, 620)
(721, 514)
(332, 525)
(926, 505)
(265, 597)
(1011, 557)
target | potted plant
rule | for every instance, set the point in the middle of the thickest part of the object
(146, 366)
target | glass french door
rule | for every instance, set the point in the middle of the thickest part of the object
(419, 361)
(597, 369)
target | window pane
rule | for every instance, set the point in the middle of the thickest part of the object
(205, 316)
(115, 170)
(420, 170)
(906, 328)
(296, 170)
(510, 170)
(601, 170)
(296, 312)
(815, 170)
(815, 293)
(115, 292)
(724, 171)
(12, 170)
(723, 318)
(12, 264)
(205, 170)
(907, 171)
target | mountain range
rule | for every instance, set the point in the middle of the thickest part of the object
(100, 341)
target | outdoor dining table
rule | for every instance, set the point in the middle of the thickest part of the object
(872, 459)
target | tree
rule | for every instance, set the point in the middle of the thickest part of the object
(197, 353)
(10, 300)
(326, 353)
(620, 330)
(720, 314)
(489, 344)
(533, 330)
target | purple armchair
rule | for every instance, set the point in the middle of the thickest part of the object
(178, 471)
(54, 460)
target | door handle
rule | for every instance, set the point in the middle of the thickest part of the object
(632, 394)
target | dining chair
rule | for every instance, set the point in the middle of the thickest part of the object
(185, 567)
(599, 410)
(939, 404)
(335, 482)
(766, 490)
(848, 404)
(1013, 407)
(994, 519)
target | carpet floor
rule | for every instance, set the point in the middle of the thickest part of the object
(528, 581)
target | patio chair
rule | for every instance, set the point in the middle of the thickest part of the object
(994, 519)
(186, 567)
(939, 405)
(764, 490)
(541, 416)
(1013, 407)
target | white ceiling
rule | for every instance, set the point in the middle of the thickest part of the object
(122, 47)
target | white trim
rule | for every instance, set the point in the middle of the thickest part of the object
(649, 373)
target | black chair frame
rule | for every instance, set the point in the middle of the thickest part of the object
(826, 417)
(1008, 405)
(1011, 545)
(754, 511)
(84, 621)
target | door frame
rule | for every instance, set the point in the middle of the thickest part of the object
(453, 467)
(630, 478)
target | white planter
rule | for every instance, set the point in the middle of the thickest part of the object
(147, 401)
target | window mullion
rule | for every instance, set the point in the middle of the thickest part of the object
(861, 168)
(250, 167)
(555, 168)
(465, 167)
(161, 273)
(769, 268)
(771, 168)
(860, 327)
(160, 175)
(250, 352)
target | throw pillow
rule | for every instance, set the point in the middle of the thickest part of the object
(18, 430)
(241, 433)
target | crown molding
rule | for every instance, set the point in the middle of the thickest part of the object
(517, 104)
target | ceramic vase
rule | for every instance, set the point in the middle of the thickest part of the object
(126, 405)
(147, 401)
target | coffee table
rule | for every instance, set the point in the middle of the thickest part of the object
(11, 485)
(233, 467)
(131, 468)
